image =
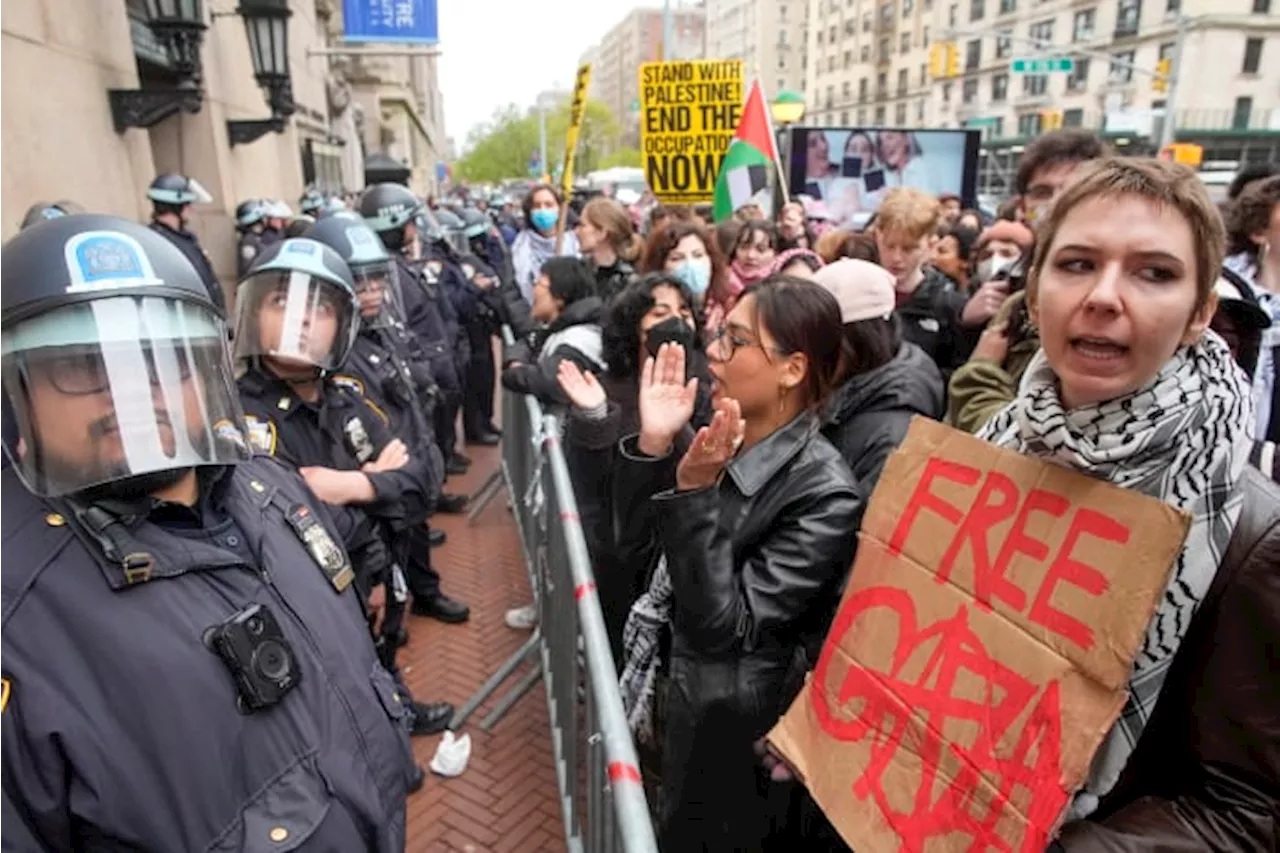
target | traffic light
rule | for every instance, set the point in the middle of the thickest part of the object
(1050, 120)
(944, 59)
(1160, 83)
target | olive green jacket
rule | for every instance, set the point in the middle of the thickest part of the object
(980, 387)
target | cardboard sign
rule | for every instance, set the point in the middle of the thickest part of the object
(982, 648)
(688, 112)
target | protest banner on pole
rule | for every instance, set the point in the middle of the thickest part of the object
(982, 649)
(688, 113)
(577, 112)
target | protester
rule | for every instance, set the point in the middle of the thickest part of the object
(887, 381)
(798, 263)
(952, 255)
(1046, 167)
(755, 525)
(971, 219)
(999, 247)
(683, 249)
(565, 303)
(657, 309)
(750, 261)
(605, 234)
(1241, 323)
(1121, 286)
(537, 241)
(1249, 174)
(1254, 230)
(951, 208)
(793, 229)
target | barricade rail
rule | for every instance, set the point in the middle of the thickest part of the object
(601, 794)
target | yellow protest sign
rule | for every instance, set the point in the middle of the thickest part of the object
(576, 114)
(688, 113)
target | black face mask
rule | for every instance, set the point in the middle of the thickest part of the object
(672, 330)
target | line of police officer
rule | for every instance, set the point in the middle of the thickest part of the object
(190, 594)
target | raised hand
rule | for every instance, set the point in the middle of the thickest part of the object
(712, 448)
(666, 399)
(580, 387)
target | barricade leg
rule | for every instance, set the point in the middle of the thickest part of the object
(493, 682)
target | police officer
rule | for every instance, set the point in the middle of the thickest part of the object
(478, 265)
(250, 222)
(278, 217)
(311, 203)
(392, 211)
(391, 379)
(171, 199)
(40, 211)
(297, 318)
(186, 665)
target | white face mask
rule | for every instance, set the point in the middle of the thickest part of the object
(993, 266)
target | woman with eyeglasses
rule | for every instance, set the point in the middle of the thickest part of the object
(755, 525)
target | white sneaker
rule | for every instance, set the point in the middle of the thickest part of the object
(522, 618)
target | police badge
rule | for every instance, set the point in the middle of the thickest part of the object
(331, 559)
(358, 439)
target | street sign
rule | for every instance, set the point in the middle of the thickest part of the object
(1042, 65)
(402, 21)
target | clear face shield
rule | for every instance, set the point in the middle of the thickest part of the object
(378, 293)
(115, 388)
(294, 323)
(458, 241)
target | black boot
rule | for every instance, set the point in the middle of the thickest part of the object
(431, 718)
(441, 607)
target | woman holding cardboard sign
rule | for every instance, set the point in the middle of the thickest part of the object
(1131, 388)
(756, 524)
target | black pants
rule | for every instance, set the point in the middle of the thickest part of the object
(421, 576)
(392, 622)
(446, 419)
(481, 376)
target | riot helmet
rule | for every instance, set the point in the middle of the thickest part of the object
(389, 208)
(41, 211)
(311, 203)
(296, 310)
(475, 222)
(176, 191)
(114, 360)
(454, 230)
(249, 213)
(373, 270)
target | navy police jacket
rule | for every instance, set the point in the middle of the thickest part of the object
(342, 431)
(121, 729)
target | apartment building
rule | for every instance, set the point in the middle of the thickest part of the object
(767, 35)
(868, 64)
(638, 38)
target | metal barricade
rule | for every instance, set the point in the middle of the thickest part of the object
(601, 794)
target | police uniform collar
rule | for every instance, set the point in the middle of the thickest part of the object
(181, 232)
(262, 384)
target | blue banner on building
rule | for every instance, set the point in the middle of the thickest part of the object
(406, 21)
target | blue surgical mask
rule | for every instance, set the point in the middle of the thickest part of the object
(544, 218)
(696, 273)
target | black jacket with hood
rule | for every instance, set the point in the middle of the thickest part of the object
(867, 417)
(574, 335)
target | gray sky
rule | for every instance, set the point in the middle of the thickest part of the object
(497, 52)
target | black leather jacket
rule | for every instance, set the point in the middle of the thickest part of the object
(756, 566)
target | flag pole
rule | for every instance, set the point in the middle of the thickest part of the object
(777, 154)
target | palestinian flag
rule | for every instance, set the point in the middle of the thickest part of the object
(744, 172)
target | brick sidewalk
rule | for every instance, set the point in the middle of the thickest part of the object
(507, 799)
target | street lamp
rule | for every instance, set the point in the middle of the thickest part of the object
(179, 26)
(266, 23)
(787, 108)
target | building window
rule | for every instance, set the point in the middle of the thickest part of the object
(862, 89)
(907, 8)
(1240, 117)
(846, 90)
(1029, 125)
(977, 8)
(973, 55)
(919, 110)
(819, 36)
(1041, 33)
(1079, 77)
(951, 15)
(946, 93)
(1121, 70)
(831, 35)
(1004, 44)
(882, 85)
(866, 53)
(866, 22)
(924, 75)
(782, 63)
(851, 27)
(1262, 7)
(903, 82)
(1127, 14)
(782, 11)
(1035, 84)
(831, 64)
(1073, 118)
(879, 116)
(1173, 7)
(1252, 55)
(1082, 29)
(844, 117)
(969, 91)
(924, 36)
(904, 44)
(1008, 7)
(848, 59)
(900, 115)
(999, 87)
(831, 96)
(862, 116)
(884, 50)
(782, 84)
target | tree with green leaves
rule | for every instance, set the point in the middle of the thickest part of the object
(501, 148)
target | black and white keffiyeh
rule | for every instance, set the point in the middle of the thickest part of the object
(1184, 439)
(642, 638)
